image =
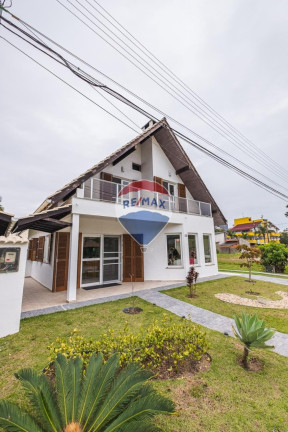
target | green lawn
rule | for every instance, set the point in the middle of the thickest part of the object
(225, 398)
(276, 318)
(232, 262)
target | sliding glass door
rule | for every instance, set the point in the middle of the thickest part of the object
(101, 260)
(91, 261)
(111, 259)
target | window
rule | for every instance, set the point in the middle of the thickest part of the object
(47, 249)
(136, 167)
(192, 246)
(174, 250)
(170, 188)
(207, 248)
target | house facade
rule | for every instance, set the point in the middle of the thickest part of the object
(77, 240)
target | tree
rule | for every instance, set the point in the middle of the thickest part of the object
(284, 238)
(191, 280)
(251, 255)
(98, 399)
(286, 214)
(261, 232)
(231, 234)
(1, 206)
(245, 235)
(252, 333)
(276, 255)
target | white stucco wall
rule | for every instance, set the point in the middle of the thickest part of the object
(42, 272)
(123, 169)
(11, 286)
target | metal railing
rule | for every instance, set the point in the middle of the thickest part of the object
(102, 190)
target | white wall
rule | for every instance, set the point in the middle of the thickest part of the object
(11, 286)
(126, 164)
(42, 272)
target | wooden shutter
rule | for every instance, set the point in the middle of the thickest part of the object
(61, 261)
(182, 198)
(79, 260)
(107, 191)
(158, 180)
(30, 250)
(181, 190)
(133, 263)
(34, 249)
(40, 249)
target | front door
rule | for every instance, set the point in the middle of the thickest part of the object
(133, 263)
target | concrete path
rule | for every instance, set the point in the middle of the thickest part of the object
(200, 316)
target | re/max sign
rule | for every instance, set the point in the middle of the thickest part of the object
(144, 202)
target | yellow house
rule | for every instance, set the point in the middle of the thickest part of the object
(257, 231)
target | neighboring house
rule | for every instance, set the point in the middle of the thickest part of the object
(230, 245)
(84, 244)
(257, 231)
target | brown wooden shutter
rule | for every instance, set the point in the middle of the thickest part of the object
(158, 180)
(107, 191)
(40, 249)
(133, 263)
(79, 260)
(30, 250)
(34, 249)
(182, 198)
(61, 261)
(181, 190)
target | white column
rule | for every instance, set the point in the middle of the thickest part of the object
(73, 259)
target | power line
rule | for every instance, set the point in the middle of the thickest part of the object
(177, 133)
(266, 160)
(92, 81)
(168, 71)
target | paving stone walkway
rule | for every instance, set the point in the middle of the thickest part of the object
(200, 316)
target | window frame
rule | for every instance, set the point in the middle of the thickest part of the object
(210, 245)
(196, 261)
(180, 265)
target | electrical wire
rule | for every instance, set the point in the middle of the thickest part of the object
(93, 82)
(168, 71)
(180, 135)
(207, 118)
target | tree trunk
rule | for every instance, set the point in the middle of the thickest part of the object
(250, 273)
(245, 357)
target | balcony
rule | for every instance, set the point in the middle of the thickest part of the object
(102, 190)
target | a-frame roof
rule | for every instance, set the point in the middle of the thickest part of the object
(173, 151)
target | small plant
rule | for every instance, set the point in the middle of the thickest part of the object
(251, 255)
(251, 332)
(191, 280)
(100, 399)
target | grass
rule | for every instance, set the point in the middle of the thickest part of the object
(225, 398)
(275, 318)
(232, 262)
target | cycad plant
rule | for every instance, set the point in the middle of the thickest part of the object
(101, 398)
(252, 333)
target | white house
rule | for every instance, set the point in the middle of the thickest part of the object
(76, 239)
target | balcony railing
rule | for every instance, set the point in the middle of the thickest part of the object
(102, 190)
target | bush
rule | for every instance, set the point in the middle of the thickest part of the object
(274, 254)
(164, 346)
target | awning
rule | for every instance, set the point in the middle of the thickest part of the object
(48, 221)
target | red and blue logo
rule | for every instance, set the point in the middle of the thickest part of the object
(144, 210)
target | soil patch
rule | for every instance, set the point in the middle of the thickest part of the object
(132, 310)
(254, 364)
(187, 368)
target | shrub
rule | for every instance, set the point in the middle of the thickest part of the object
(166, 345)
(99, 398)
(191, 280)
(274, 254)
(252, 333)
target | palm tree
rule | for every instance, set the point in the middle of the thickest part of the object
(261, 231)
(231, 234)
(98, 399)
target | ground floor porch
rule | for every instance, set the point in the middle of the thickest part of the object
(36, 297)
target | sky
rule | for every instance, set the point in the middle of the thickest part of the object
(231, 53)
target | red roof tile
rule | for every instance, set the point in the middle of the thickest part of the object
(245, 227)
